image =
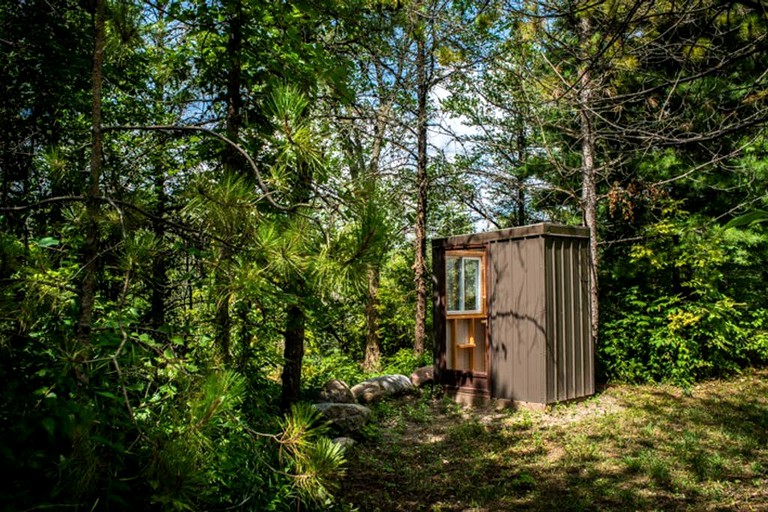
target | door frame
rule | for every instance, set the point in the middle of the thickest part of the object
(473, 382)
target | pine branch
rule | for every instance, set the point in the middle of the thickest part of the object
(199, 129)
(81, 199)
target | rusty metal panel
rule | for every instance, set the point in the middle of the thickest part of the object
(517, 316)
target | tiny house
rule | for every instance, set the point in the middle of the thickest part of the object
(512, 315)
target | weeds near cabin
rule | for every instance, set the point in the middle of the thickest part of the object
(629, 448)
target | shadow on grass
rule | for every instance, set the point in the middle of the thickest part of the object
(661, 451)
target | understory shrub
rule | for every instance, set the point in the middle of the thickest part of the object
(404, 361)
(690, 305)
(150, 429)
(319, 368)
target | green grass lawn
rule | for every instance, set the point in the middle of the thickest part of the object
(627, 448)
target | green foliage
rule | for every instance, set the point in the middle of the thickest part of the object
(167, 398)
(342, 330)
(320, 367)
(314, 461)
(397, 297)
(140, 413)
(405, 362)
(748, 219)
(692, 305)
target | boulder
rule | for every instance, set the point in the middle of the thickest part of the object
(344, 442)
(337, 392)
(373, 390)
(423, 376)
(345, 418)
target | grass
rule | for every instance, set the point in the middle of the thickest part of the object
(628, 448)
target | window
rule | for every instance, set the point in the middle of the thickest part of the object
(464, 284)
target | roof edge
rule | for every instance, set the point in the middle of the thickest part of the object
(531, 230)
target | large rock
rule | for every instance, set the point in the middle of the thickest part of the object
(423, 376)
(373, 390)
(345, 418)
(345, 442)
(337, 392)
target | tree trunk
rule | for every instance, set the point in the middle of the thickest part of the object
(90, 250)
(521, 157)
(372, 358)
(232, 158)
(222, 318)
(295, 317)
(420, 263)
(159, 263)
(588, 175)
(232, 164)
(372, 341)
(295, 321)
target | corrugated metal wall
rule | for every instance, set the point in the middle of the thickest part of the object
(570, 352)
(540, 345)
(438, 310)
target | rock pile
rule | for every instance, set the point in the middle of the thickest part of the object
(341, 405)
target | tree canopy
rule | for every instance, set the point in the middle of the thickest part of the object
(208, 208)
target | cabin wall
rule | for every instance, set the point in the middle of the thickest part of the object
(538, 330)
(439, 326)
(570, 352)
(517, 306)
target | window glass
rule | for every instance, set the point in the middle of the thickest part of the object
(463, 282)
(452, 284)
(471, 284)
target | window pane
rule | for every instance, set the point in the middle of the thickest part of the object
(471, 284)
(452, 283)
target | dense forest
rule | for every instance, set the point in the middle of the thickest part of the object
(210, 207)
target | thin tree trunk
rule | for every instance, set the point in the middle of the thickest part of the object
(159, 279)
(90, 250)
(372, 358)
(293, 354)
(420, 263)
(234, 98)
(295, 317)
(372, 341)
(222, 318)
(588, 176)
(159, 263)
(589, 200)
(232, 164)
(521, 157)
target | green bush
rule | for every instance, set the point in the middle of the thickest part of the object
(691, 305)
(319, 368)
(404, 362)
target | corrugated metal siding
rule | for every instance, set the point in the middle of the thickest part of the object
(517, 316)
(540, 345)
(585, 317)
(570, 354)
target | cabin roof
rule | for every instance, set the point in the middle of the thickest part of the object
(532, 230)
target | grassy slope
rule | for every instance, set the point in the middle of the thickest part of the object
(629, 448)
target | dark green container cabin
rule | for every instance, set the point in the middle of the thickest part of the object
(512, 315)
